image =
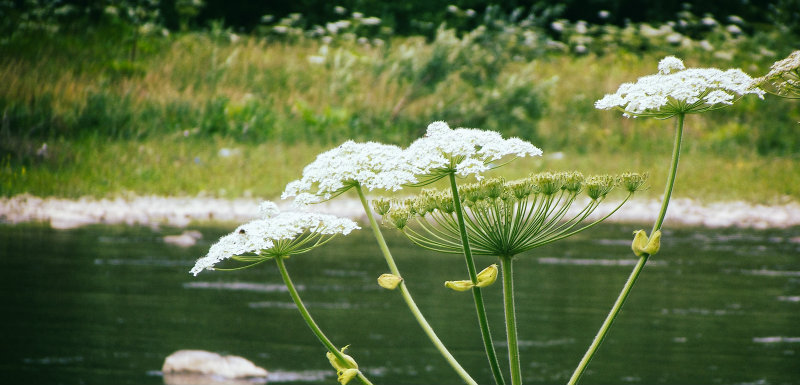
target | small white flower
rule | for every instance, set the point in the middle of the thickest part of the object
(261, 235)
(733, 29)
(268, 209)
(464, 151)
(676, 90)
(670, 63)
(372, 20)
(784, 75)
(709, 21)
(371, 165)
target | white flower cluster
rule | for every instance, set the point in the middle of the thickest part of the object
(372, 165)
(785, 74)
(261, 234)
(467, 151)
(678, 90)
(387, 167)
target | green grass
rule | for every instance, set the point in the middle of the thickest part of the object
(180, 166)
(157, 126)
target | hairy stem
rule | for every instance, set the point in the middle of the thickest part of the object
(310, 321)
(412, 306)
(511, 320)
(626, 289)
(476, 291)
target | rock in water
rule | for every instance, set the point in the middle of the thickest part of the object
(208, 363)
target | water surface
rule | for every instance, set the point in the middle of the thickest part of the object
(102, 305)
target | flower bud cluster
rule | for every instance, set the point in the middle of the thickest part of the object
(505, 217)
(784, 75)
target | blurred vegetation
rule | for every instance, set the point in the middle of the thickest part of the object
(115, 75)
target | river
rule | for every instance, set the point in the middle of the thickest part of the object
(106, 304)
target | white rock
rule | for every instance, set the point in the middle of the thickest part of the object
(212, 364)
(186, 239)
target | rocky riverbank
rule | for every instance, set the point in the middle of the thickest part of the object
(183, 211)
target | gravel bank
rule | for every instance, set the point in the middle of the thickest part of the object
(180, 212)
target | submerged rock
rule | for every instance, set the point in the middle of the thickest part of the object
(185, 239)
(201, 362)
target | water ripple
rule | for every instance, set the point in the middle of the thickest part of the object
(244, 286)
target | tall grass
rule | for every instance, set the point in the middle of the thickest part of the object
(113, 126)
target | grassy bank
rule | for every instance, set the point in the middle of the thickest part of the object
(180, 166)
(226, 115)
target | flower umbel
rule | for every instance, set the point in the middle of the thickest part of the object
(463, 151)
(507, 218)
(676, 90)
(276, 234)
(371, 165)
(784, 76)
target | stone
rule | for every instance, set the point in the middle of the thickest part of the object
(211, 364)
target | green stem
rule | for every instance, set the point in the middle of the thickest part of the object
(511, 319)
(412, 306)
(476, 291)
(623, 295)
(310, 321)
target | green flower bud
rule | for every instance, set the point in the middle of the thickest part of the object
(521, 189)
(342, 365)
(493, 187)
(398, 216)
(547, 183)
(632, 181)
(382, 206)
(599, 186)
(487, 276)
(472, 192)
(346, 375)
(445, 203)
(573, 181)
(459, 285)
(389, 281)
(643, 245)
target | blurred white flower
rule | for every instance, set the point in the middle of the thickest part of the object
(267, 237)
(464, 151)
(675, 90)
(709, 21)
(372, 20)
(669, 64)
(371, 165)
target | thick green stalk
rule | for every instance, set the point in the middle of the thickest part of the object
(626, 289)
(511, 319)
(412, 306)
(476, 291)
(310, 321)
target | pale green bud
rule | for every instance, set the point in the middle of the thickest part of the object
(398, 216)
(573, 181)
(389, 281)
(346, 375)
(632, 181)
(339, 365)
(382, 206)
(487, 276)
(643, 245)
(547, 183)
(445, 203)
(521, 188)
(599, 186)
(459, 285)
(493, 187)
(472, 193)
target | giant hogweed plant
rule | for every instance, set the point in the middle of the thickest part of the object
(493, 216)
